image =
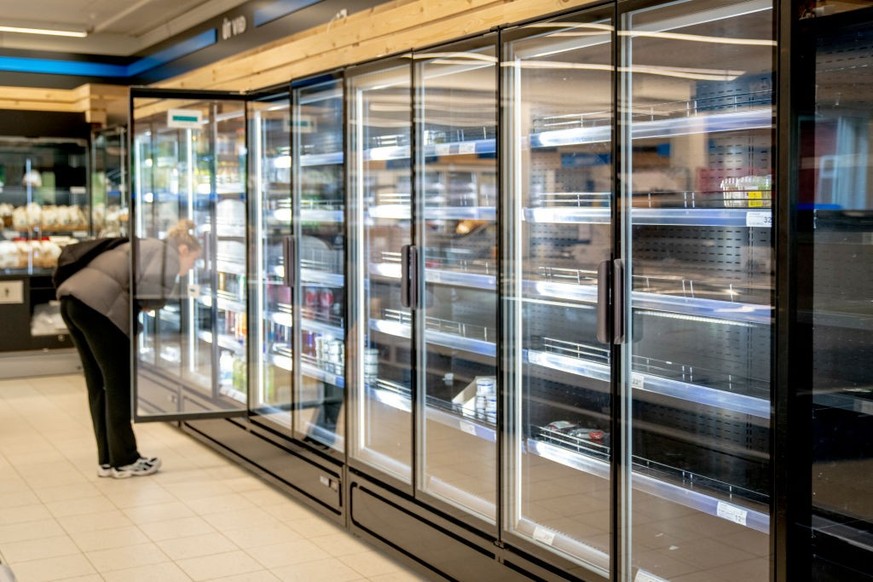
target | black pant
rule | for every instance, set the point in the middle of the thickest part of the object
(105, 353)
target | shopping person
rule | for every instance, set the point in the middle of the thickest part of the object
(96, 305)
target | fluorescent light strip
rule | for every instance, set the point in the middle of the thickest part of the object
(45, 31)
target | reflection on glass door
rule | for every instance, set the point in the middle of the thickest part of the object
(557, 82)
(191, 343)
(835, 288)
(319, 241)
(697, 159)
(456, 169)
(380, 181)
(270, 159)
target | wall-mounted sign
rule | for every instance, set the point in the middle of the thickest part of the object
(231, 27)
(184, 118)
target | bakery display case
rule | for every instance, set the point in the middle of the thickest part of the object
(44, 205)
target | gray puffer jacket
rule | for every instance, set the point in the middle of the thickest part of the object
(104, 283)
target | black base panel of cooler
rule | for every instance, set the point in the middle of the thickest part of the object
(423, 539)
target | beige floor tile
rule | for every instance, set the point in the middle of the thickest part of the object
(327, 569)
(259, 576)
(67, 492)
(83, 506)
(196, 546)
(138, 497)
(31, 530)
(45, 569)
(265, 495)
(143, 514)
(105, 539)
(287, 553)
(370, 563)
(42, 548)
(176, 528)
(23, 513)
(126, 557)
(85, 578)
(163, 572)
(26, 458)
(12, 483)
(288, 511)
(313, 526)
(219, 565)
(220, 504)
(18, 498)
(94, 521)
(341, 544)
(252, 537)
(239, 519)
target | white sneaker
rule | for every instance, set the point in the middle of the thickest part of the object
(139, 468)
(104, 470)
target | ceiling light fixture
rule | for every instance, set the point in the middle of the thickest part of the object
(46, 31)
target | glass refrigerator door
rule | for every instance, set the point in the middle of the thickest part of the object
(697, 155)
(109, 200)
(190, 328)
(557, 84)
(834, 371)
(270, 159)
(379, 132)
(456, 170)
(319, 240)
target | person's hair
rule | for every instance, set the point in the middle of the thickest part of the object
(182, 233)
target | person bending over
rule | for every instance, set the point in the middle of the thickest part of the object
(96, 306)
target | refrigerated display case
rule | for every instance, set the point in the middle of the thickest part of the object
(109, 197)
(190, 163)
(568, 306)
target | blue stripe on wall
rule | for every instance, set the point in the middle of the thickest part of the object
(77, 68)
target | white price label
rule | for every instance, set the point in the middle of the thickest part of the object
(467, 147)
(638, 381)
(443, 149)
(732, 513)
(12, 292)
(643, 576)
(543, 535)
(761, 219)
(468, 428)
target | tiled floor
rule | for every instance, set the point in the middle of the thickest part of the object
(201, 518)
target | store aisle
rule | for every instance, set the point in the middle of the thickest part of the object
(201, 518)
